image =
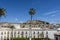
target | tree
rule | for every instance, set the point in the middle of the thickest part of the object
(2, 12)
(12, 27)
(31, 13)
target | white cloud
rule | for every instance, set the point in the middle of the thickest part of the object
(52, 15)
(52, 12)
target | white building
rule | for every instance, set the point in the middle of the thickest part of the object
(20, 31)
(6, 33)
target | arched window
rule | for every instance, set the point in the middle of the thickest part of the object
(8, 36)
(18, 32)
(14, 34)
(34, 36)
(1, 26)
(38, 34)
(33, 32)
(22, 33)
(46, 34)
(1, 33)
(26, 33)
(8, 32)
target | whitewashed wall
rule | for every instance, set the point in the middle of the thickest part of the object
(6, 33)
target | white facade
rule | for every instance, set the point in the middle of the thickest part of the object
(6, 31)
(24, 32)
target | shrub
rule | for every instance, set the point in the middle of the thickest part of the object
(32, 39)
(20, 39)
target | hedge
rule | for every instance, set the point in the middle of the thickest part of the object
(32, 39)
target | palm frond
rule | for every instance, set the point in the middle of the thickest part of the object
(2, 12)
(32, 11)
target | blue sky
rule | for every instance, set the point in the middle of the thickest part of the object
(18, 10)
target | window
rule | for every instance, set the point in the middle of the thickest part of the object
(8, 32)
(22, 33)
(38, 36)
(18, 36)
(8, 36)
(56, 38)
(18, 32)
(1, 33)
(26, 36)
(11, 32)
(37, 32)
(1, 26)
(26, 33)
(5, 32)
(34, 36)
(14, 34)
(23, 26)
(33, 32)
(5, 26)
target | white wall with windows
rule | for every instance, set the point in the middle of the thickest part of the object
(5, 33)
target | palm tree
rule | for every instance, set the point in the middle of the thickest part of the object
(2, 12)
(12, 27)
(31, 13)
